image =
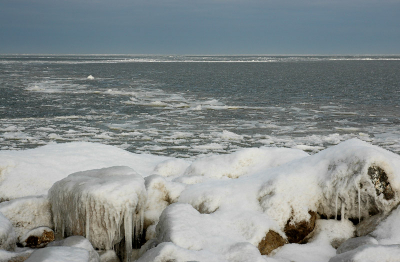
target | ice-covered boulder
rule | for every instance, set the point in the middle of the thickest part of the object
(28, 213)
(160, 194)
(219, 233)
(237, 164)
(33, 171)
(8, 238)
(19, 256)
(37, 237)
(80, 242)
(59, 254)
(104, 205)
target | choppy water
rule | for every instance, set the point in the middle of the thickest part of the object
(189, 105)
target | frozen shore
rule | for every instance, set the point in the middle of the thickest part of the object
(102, 203)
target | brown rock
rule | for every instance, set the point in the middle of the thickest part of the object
(38, 237)
(381, 183)
(271, 242)
(296, 232)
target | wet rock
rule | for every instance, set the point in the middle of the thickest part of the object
(271, 242)
(296, 232)
(381, 183)
(38, 237)
(354, 243)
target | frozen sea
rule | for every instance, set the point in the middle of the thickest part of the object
(185, 106)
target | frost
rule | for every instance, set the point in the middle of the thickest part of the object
(104, 205)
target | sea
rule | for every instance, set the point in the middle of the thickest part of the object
(186, 106)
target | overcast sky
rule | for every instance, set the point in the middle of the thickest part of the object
(200, 26)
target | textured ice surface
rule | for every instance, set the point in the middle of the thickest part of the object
(34, 171)
(8, 238)
(104, 205)
(78, 241)
(27, 213)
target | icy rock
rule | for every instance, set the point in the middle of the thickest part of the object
(333, 231)
(27, 213)
(105, 205)
(32, 172)
(297, 231)
(224, 235)
(388, 231)
(38, 237)
(80, 242)
(8, 238)
(59, 254)
(240, 163)
(171, 167)
(370, 253)
(108, 256)
(90, 77)
(271, 242)
(356, 242)
(160, 194)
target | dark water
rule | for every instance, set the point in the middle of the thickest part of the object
(185, 106)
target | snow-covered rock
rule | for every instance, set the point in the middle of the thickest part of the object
(8, 238)
(80, 242)
(27, 213)
(10, 256)
(38, 237)
(59, 254)
(104, 205)
(34, 171)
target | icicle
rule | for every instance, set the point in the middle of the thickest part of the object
(87, 221)
(359, 205)
(342, 211)
(337, 196)
(128, 234)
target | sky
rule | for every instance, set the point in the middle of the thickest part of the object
(203, 27)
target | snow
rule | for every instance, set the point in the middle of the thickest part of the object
(7, 234)
(80, 242)
(212, 208)
(34, 171)
(105, 205)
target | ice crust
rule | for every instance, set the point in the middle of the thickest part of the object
(104, 205)
(7, 234)
(59, 254)
(34, 171)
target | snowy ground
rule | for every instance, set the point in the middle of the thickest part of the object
(213, 208)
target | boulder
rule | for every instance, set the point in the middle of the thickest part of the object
(369, 224)
(78, 242)
(298, 231)
(354, 243)
(59, 254)
(7, 234)
(271, 242)
(381, 183)
(38, 237)
(10, 256)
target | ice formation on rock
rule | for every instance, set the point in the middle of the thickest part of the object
(27, 213)
(7, 234)
(104, 205)
(59, 254)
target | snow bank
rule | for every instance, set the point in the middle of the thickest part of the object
(105, 205)
(27, 213)
(7, 234)
(34, 171)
